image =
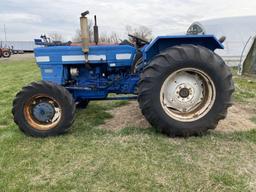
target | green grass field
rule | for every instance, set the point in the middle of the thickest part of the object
(93, 159)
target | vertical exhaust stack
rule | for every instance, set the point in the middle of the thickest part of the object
(96, 31)
(85, 33)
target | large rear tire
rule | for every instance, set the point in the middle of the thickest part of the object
(185, 91)
(43, 109)
(6, 54)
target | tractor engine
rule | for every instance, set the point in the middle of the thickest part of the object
(107, 70)
(101, 77)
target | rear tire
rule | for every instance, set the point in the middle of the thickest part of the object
(6, 54)
(43, 109)
(198, 93)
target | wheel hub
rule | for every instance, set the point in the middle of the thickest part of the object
(43, 112)
(5, 54)
(184, 92)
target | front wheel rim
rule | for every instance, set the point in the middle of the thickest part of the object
(187, 94)
(42, 112)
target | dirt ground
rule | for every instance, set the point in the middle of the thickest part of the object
(238, 118)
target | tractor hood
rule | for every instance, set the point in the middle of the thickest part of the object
(114, 56)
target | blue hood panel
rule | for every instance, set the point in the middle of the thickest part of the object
(114, 56)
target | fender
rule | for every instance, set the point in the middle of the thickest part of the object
(162, 42)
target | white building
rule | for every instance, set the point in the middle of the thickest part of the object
(19, 45)
(237, 30)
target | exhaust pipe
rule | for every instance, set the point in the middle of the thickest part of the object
(96, 31)
(84, 33)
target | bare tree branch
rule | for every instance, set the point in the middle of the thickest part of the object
(109, 39)
(77, 37)
(141, 31)
(56, 36)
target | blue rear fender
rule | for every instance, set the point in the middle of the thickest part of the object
(161, 43)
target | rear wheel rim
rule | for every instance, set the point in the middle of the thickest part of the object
(42, 112)
(6, 54)
(187, 94)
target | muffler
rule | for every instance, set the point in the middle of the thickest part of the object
(85, 33)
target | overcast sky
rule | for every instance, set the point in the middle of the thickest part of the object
(27, 19)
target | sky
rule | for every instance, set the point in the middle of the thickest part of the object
(27, 19)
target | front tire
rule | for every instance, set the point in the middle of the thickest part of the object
(185, 91)
(82, 104)
(43, 109)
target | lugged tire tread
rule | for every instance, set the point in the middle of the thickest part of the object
(55, 90)
(168, 56)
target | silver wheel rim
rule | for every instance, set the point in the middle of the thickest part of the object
(5, 54)
(187, 94)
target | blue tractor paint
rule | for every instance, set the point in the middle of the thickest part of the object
(43, 112)
(108, 69)
(163, 42)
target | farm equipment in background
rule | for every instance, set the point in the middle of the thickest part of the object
(46, 41)
(5, 52)
(182, 86)
(15, 51)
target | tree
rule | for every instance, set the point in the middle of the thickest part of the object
(114, 38)
(142, 32)
(104, 38)
(77, 37)
(109, 39)
(56, 36)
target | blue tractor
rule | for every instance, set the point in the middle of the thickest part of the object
(182, 86)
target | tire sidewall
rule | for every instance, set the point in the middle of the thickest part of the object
(213, 70)
(6, 54)
(65, 112)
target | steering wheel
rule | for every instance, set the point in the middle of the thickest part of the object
(138, 39)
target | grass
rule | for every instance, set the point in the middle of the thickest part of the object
(253, 119)
(92, 159)
(245, 89)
